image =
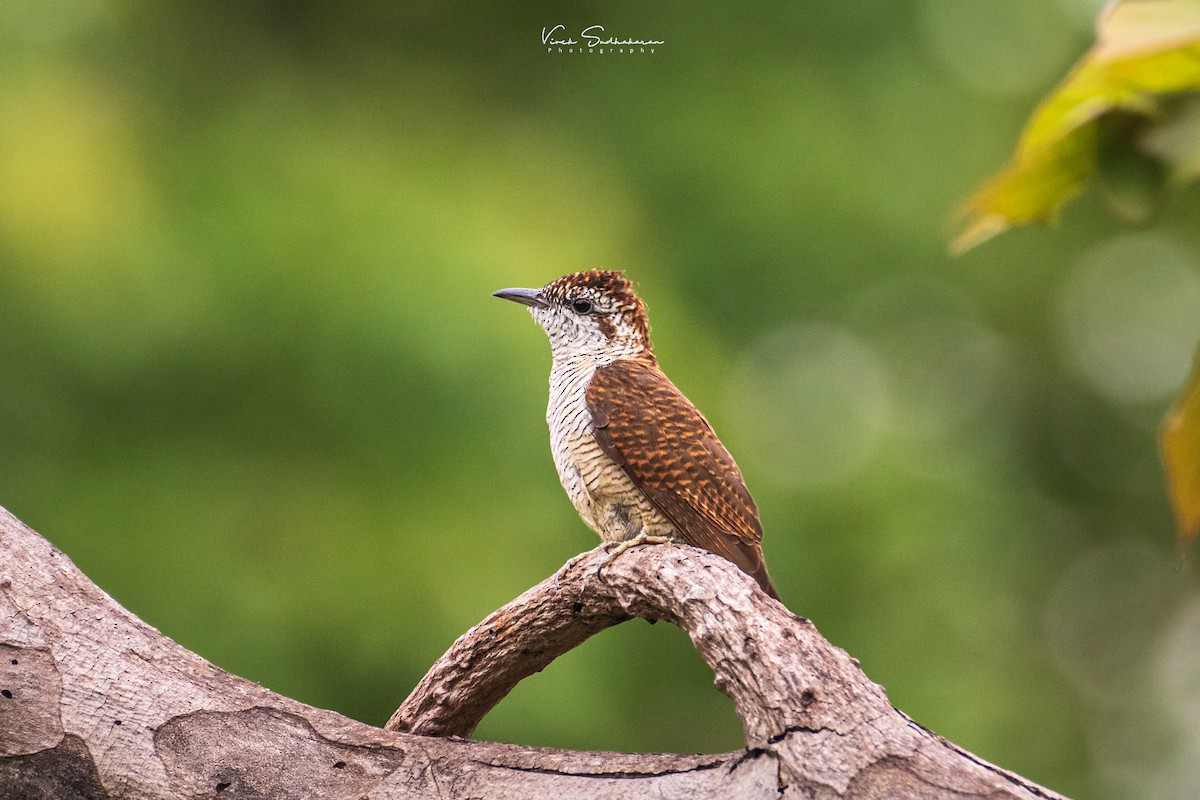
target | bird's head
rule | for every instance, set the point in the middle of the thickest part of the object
(594, 313)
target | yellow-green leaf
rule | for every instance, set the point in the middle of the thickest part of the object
(1180, 443)
(1147, 53)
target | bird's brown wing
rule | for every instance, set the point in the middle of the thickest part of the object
(672, 455)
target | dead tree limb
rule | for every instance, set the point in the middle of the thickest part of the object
(94, 703)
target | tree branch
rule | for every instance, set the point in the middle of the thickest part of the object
(94, 703)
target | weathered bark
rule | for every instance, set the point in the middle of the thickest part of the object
(94, 703)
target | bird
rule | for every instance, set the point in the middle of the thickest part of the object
(639, 462)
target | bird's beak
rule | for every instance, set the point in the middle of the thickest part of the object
(526, 297)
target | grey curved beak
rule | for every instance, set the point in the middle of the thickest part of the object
(526, 297)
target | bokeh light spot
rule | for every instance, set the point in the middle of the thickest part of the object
(997, 48)
(1096, 619)
(1130, 313)
(1178, 667)
(812, 401)
(943, 371)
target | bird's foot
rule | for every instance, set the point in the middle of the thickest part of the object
(637, 541)
(565, 568)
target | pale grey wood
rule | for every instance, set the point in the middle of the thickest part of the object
(94, 703)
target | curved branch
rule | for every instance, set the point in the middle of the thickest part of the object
(797, 695)
(775, 666)
(94, 703)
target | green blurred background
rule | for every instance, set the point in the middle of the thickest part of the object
(252, 381)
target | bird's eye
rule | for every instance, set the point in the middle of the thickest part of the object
(581, 306)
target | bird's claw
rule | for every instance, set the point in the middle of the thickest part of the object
(565, 568)
(616, 549)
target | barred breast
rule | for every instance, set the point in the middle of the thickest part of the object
(600, 490)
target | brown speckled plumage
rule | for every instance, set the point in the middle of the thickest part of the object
(670, 452)
(633, 454)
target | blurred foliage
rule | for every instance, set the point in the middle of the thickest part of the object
(255, 386)
(1127, 110)
(1180, 443)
